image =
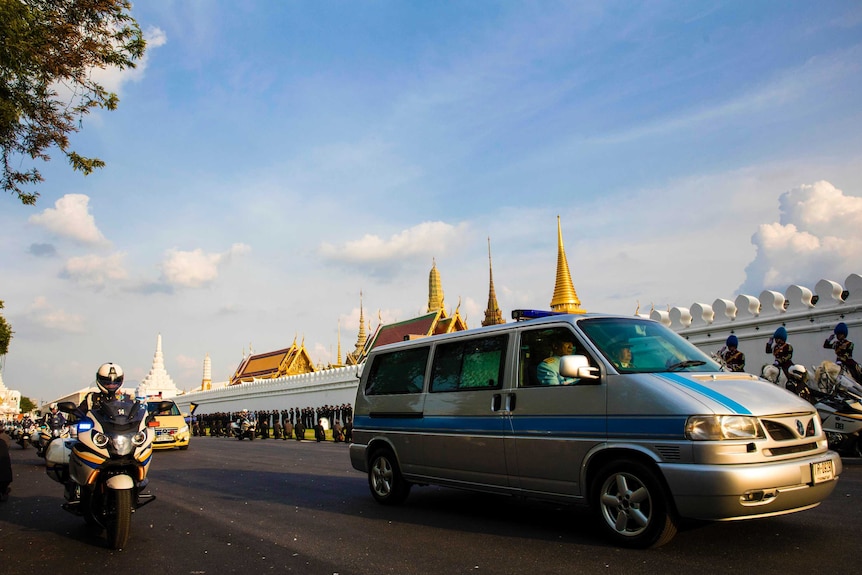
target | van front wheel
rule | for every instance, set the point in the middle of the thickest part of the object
(632, 505)
(384, 478)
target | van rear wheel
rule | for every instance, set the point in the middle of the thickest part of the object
(384, 478)
(632, 505)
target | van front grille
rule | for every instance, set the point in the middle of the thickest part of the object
(790, 428)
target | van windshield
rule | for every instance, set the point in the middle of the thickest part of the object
(636, 345)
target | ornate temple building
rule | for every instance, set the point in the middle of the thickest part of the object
(565, 297)
(158, 382)
(293, 360)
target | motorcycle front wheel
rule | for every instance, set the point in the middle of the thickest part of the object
(119, 519)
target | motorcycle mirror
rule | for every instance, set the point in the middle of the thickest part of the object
(66, 406)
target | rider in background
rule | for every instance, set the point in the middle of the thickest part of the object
(54, 419)
(844, 351)
(781, 350)
(734, 359)
(109, 378)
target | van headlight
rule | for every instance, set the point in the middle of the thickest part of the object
(717, 427)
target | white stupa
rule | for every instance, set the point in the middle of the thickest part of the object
(158, 382)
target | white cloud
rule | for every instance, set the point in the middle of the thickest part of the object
(95, 271)
(427, 238)
(112, 79)
(70, 218)
(194, 269)
(818, 236)
(45, 315)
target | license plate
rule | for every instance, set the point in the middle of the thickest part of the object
(822, 471)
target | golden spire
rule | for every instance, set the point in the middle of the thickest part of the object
(338, 359)
(435, 289)
(361, 339)
(565, 297)
(493, 315)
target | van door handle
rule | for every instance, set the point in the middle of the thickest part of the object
(510, 402)
(495, 402)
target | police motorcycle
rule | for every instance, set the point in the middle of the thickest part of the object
(104, 470)
(53, 427)
(45, 435)
(243, 427)
(796, 383)
(25, 433)
(838, 401)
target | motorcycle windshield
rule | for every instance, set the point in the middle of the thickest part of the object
(121, 412)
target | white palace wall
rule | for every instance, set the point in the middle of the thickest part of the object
(752, 319)
(328, 387)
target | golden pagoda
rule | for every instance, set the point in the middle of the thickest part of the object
(435, 322)
(355, 356)
(565, 297)
(493, 314)
(435, 288)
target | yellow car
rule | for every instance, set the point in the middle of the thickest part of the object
(170, 426)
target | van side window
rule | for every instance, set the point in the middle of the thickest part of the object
(539, 353)
(398, 372)
(470, 364)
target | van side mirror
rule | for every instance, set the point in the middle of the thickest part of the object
(577, 366)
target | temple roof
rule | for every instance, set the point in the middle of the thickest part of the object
(291, 360)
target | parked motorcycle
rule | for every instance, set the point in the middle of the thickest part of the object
(829, 375)
(796, 383)
(243, 428)
(104, 470)
(839, 404)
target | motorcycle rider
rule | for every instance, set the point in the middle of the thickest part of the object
(781, 350)
(54, 419)
(733, 358)
(844, 350)
(109, 379)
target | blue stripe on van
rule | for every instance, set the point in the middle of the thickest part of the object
(570, 426)
(687, 383)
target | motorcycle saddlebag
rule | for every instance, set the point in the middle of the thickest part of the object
(57, 461)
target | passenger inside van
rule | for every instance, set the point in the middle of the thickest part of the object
(548, 372)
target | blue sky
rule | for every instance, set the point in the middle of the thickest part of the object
(270, 160)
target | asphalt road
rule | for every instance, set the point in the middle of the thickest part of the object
(275, 506)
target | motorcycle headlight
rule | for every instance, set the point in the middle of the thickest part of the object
(721, 427)
(139, 438)
(100, 439)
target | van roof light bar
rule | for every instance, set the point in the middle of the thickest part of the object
(526, 314)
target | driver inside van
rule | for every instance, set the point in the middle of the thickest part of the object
(548, 372)
(624, 356)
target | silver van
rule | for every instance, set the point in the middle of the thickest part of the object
(619, 413)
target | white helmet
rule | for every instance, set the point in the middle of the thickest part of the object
(109, 378)
(53, 406)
